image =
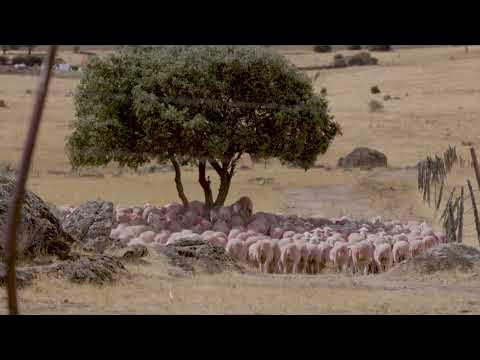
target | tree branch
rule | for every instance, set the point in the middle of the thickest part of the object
(178, 180)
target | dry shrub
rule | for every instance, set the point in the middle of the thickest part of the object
(375, 106)
(362, 58)
(339, 61)
(322, 48)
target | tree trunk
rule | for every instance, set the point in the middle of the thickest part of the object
(225, 180)
(178, 181)
(205, 184)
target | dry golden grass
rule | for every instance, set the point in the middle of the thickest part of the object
(440, 109)
(153, 291)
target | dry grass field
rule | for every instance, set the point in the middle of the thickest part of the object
(439, 93)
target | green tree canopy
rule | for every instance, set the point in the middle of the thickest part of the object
(197, 104)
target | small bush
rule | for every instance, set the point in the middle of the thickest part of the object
(380, 48)
(3, 60)
(354, 47)
(387, 97)
(339, 61)
(375, 90)
(322, 48)
(362, 58)
(29, 60)
(323, 92)
(375, 105)
(76, 49)
(3, 104)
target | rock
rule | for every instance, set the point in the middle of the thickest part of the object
(181, 237)
(135, 252)
(91, 223)
(40, 231)
(24, 278)
(95, 269)
(190, 253)
(443, 257)
(363, 157)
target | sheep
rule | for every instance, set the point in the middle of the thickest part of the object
(324, 253)
(361, 254)
(236, 249)
(314, 258)
(243, 207)
(221, 226)
(383, 257)
(147, 236)
(162, 237)
(275, 264)
(339, 255)
(290, 256)
(302, 262)
(400, 251)
(428, 242)
(416, 248)
(234, 233)
(261, 254)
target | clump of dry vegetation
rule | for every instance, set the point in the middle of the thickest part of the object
(375, 105)
(322, 48)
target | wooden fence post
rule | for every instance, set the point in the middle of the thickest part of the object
(16, 202)
(475, 211)
(475, 165)
(460, 218)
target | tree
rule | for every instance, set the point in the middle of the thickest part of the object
(30, 48)
(5, 48)
(193, 105)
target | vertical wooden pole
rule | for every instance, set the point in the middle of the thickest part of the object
(16, 202)
(475, 165)
(475, 211)
(460, 218)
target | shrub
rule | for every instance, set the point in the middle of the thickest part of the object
(380, 47)
(375, 90)
(354, 47)
(323, 92)
(322, 48)
(29, 60)
(3, 60)
(76, 49)
(3, 104)
(339, 61)
(362, 58)
(375, 105)
(197, 105)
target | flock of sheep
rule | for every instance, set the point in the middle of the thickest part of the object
(275, 243)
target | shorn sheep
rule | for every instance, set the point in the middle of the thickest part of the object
(275, 243)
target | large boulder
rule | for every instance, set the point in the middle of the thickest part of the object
(363, 157)
(90, 225)
(39, 232)
(94, 269)
(193, 254)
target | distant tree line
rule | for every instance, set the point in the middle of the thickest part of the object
(28, 48)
